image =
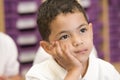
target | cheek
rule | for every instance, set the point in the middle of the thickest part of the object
(89, 41)
(89, 44)
(66, 42)
(89, 37)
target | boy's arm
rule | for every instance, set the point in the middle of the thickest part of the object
(15, 77)
(64, 58)
(73, 75)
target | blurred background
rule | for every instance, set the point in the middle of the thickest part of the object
(18, 19)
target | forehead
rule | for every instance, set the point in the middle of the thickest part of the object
(66, 22)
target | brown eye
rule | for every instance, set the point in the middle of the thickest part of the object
(63, 37)
(83, 30)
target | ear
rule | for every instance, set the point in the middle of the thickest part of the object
(46, 46)
(90, 26)
(91, 29)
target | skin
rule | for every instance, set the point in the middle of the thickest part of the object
(15, 77)
(70, 43)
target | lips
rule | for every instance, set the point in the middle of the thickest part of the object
(80, 51)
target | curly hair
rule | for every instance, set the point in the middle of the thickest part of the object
(48, 11)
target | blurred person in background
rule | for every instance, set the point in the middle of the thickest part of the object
(9, 65)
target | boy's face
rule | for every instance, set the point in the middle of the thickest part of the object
(72, 29)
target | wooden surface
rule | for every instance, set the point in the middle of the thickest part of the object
(2, 25)
(105, 34)
(117, 65)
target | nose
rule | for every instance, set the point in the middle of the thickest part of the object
(77, 41)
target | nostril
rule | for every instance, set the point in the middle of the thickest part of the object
(77, 43)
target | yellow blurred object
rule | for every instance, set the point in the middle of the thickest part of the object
(2, 25)
(43, 1)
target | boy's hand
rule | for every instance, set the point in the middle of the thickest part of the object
(2, 78)
(16, 77)
(64, 56)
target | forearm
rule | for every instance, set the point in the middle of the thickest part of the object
(15, 77)
(73, 75)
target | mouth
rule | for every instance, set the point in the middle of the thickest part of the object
(81, 51)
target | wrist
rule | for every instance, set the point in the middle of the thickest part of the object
(73, 74)
(77, 70)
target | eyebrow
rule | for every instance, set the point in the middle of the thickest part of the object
(81, 25)
(67, 31)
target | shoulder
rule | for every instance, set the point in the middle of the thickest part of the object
(105, 65)
(7, 44)
(41, 56)
(39, 70)
(48, 69)
(4, 37)
(6, 40)
(39, 67)
(107, 70)
(102, 64)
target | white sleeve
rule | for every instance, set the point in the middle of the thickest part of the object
(35, 74)
(11, 55)
(13, 64)
(33, 78)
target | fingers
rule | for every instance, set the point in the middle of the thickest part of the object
(55, 49)
(60, 50)
(2, 78)
(52, 47)
(67, 52)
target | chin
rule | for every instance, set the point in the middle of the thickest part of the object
(83, 59)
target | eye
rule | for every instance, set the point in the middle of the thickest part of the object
(63, 37)
(83, 30)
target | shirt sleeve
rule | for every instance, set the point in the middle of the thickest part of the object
(33, 78)
(12, 65)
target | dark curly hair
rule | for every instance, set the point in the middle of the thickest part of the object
(48, 11)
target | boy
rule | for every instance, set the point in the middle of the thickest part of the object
(68, 38)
